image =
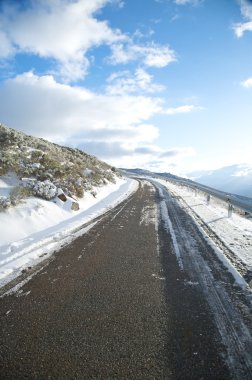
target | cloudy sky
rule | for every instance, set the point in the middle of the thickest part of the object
(161, 84)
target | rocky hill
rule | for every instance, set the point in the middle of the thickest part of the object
(48, 170)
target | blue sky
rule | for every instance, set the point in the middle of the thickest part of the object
(161, 84)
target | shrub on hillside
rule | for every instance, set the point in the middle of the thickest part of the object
(4, 203)
(18, 193)
(49, 166)
(46, 190)
(79, 192)
(3, 170)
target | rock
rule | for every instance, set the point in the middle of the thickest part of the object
(75, 206)
(62, 197)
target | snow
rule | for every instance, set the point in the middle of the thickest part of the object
(158, 277)
(168, 225)
(7, 183)
(235, 231)
(87, 172)
(36, 228)
(149, 214)
(45, 189)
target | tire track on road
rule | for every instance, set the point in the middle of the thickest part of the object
(201, 265)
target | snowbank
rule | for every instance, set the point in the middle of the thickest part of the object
(235, 231)
(36, 227)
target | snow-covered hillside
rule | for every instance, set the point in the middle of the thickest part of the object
(34, 229)
(236, 179)
(47, 192)
(47, 170)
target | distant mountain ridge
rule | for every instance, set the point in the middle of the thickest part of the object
(144, 172)
(236, 179)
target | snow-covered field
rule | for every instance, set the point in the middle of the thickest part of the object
(234, 231)
(36, 228)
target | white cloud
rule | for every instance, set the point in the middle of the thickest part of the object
(115, 128)
(139, 34)
(6, 48)
(182, 109)
(152, 55)
(118, 3)
(65, 30)
(246, 11)
(247, 83)
(240, 28)
(63, 113)
(184, 2)
(246, 8)
(125, 83)
(178, 152)
(154, 158)
(144, 156)
(60, 29)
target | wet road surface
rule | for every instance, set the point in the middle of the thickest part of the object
(117, 303)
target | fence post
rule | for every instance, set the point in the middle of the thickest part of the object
(208, 199)
(230, 210)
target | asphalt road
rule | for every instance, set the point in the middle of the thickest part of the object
(115, 304)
